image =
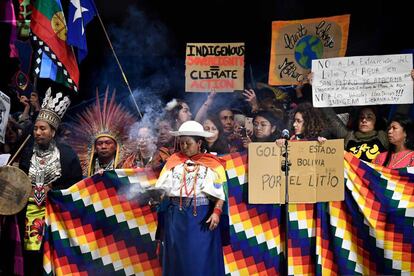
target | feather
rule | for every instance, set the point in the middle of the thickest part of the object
(106, 118)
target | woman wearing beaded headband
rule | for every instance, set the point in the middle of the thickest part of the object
(194, 184)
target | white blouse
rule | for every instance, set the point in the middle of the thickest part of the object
(206, 181)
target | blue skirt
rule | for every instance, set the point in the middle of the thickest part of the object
(190, 248)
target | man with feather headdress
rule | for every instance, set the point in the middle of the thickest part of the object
(101, 135)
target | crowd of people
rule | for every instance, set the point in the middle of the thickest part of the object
(105, 136)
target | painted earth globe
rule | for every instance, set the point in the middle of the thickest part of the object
(308, 48)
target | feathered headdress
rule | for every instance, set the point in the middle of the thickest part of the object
(101, 120)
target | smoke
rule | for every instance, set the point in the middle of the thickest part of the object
(151, 107)
(141, 195)
(154, 66)
(145, 51)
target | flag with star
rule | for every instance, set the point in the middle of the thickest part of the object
(81, 12)
(48, 29)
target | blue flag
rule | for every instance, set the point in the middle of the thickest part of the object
(48, 69)
(81, 12)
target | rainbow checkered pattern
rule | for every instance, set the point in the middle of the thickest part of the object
(92, 227)
(255, 240)
(371, 232)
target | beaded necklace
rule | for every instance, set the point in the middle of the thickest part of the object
(394, 157)
(193, 189)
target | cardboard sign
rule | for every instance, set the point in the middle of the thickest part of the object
(4, 115)
(266, 185)
(214, 66)
(364, 80)
(296, 43)
(316, 173)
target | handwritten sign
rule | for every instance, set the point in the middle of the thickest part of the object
(211, 66)
(4, 115)
(316, 173)
(296, 43)
(364, 80)
(266, 184)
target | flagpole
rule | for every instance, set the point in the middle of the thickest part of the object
(119, 64)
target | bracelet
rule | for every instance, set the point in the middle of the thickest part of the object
(219, 206)
(217, 211)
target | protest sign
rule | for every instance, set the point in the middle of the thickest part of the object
(4, 115)
(265, 177)
(316, 173)
(214, 67)
(363, 80)
(296, 43)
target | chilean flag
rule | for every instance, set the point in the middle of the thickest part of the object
(81, 12)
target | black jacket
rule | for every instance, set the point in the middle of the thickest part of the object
(69, 162)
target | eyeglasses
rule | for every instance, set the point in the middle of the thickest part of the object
(369, 117)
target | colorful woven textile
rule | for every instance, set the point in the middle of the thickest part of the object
(255, 238)
(371, 232)
(95, 228)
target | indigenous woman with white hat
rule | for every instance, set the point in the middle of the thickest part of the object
(194, 183)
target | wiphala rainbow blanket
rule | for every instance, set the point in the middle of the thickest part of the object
(94, 229)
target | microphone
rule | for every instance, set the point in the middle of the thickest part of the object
(285, 134)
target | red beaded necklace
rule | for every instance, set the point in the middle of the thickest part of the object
(193, 189)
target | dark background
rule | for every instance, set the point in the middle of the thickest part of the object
(149, 37)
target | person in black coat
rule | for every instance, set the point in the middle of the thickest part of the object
(49, 165)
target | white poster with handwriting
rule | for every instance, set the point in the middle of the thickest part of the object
(4, 115)
(363, 80)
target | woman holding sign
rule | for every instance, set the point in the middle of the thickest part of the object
(401, 138)
(367, 139)
(308, 124)
(194, 184)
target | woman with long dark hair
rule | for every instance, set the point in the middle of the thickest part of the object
(216, 143)
(307, 124)
(178, 111)
(401, 138)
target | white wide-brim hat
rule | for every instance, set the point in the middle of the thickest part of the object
(191, 128)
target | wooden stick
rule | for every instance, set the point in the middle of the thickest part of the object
(18, 151)
(118, 62)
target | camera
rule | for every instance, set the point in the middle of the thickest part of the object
(243, 132)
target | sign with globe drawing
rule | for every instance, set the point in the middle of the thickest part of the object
(296, 43)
